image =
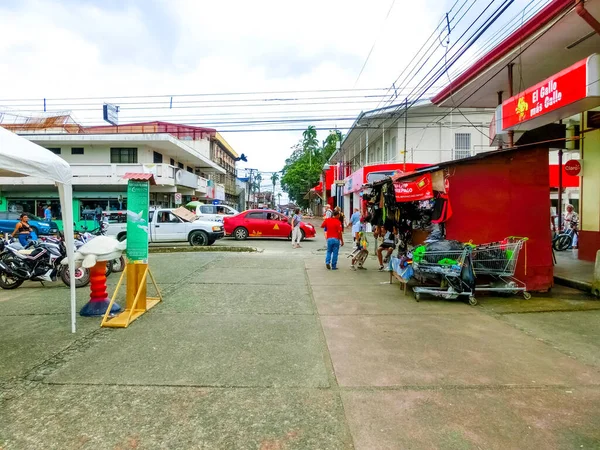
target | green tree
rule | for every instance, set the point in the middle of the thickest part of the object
(310, 142)
(303, 168)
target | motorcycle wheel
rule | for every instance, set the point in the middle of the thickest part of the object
(562, 242)
(80, 281)
(8, 282)
(118, 265)
(109, 268)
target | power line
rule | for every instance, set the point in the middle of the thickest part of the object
(207, 94)
(374, 42)
(456, 55)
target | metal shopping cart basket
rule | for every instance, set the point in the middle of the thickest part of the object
(498, 261)
(452, 268)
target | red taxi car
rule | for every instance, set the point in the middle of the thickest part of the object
(263, 223)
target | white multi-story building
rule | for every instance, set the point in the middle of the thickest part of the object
(177, 155)
(393, 138)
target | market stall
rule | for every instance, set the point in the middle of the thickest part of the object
(482, 200)
(19, 157)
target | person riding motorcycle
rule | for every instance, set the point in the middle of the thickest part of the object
(571, 221)
(24, 230)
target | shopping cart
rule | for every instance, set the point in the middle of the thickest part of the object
(452, 268)
(498, 261)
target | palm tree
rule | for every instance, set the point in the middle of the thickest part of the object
(274, 179)
(257, 183)
(310, 142)
(279, 199)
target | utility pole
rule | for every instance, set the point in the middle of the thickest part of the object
(405, 129)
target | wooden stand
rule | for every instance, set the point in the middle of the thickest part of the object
(397, 277)
(137, 300)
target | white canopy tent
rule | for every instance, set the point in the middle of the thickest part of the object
(19, 157)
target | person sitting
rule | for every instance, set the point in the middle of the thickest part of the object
(388, 245)
(24, 230)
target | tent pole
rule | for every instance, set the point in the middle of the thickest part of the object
(66, 199)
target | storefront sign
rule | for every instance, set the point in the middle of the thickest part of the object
(355, 181)
(138, 199)
(110, 113)
(413, 191)
(573, 167)
(575, 84)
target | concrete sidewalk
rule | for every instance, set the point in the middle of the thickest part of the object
(270, 350)
(573, 272)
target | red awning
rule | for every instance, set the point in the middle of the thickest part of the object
(140, 177)
(318, 187)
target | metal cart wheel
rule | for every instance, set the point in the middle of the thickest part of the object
(472, 301)
(526, 295)
(417, 296)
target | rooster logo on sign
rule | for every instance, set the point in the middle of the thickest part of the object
(521, 109)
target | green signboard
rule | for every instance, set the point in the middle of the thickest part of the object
(138, 198)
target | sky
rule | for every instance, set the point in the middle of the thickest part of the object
(109, 48)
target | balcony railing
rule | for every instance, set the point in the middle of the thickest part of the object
(101, 173)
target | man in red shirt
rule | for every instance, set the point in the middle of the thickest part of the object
(335, 239)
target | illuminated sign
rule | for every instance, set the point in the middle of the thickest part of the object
(571, 91)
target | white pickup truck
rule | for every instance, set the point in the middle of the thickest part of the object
(170, 225)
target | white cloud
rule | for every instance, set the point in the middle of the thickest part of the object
(91, 48)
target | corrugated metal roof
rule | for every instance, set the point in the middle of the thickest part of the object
(140, 177)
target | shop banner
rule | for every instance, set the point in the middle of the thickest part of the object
(138, 198)
(414, 191)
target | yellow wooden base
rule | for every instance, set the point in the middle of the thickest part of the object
(137, 301)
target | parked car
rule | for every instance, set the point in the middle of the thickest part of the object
(165, 225)
(263, 223)
(215, 213)
(8, 221)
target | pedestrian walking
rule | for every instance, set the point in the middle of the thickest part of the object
(356, 225)
(296, 231)
(48, 214)
(335, 239)
(98, 214)
(342, 217)
(327, 215)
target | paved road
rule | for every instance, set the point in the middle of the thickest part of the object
(269, 350)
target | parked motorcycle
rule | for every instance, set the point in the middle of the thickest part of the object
(82, 237)
(38, 261)
(564, 240)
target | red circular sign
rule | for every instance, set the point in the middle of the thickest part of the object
(573, 167)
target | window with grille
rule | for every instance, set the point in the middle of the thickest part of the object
(55, 150)
(462, 145)
(119, 155)
(76, 150)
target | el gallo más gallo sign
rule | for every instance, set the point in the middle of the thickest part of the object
(571, 91)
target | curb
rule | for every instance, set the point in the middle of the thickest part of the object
(201, 249)
(575, 284)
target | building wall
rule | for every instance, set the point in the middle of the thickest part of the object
(589, 236)
(202, 146)
(100, 154)
(426, 141)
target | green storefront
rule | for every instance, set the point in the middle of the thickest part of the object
(84, 204)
